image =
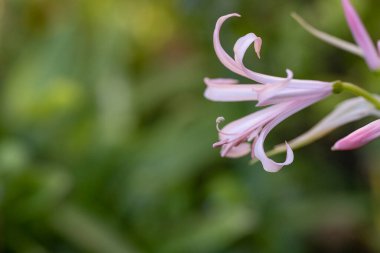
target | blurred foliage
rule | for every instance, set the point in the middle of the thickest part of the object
(105, 137)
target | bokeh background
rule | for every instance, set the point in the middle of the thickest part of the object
(105, 136)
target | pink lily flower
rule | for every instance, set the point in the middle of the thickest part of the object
(359, 137)
(285, 95)
(365, 46)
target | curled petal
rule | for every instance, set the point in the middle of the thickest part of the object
(224, 58)
(241, 47)
(268, 164)
(361, 35)
(230, 63)
(359, 137)
(243, 44)
(259, 152)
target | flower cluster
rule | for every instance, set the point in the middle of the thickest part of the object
(282, 97)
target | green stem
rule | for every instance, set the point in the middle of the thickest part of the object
(339, 86)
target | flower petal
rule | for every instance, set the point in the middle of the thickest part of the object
(361, 36)
(241, 47)
(246, 125)
(224, 58)
(222, 90)
(286, 91)
(288, 110)
(274, 96)
(243, 43)
(238, 151)
(268, 164)
(359, 137)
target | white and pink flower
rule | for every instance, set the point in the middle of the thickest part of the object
(286, 96)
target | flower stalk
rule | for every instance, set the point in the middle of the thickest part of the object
(339, 87)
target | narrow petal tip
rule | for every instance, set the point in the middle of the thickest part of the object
(230, 15)
(257, 45)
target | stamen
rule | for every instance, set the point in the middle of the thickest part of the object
(219, 143)
(218, 121)
(289, 77)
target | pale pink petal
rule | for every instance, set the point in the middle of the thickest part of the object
(249, 123)
(286, 91)
(224, 58)
(227, 90)
(238, 151)
(230, 63)
(217, 81)
(361, 35)
(243, 43)
(241, 47)
(269, 97)
(359, 137)
(221, 90)
(246, 128)
(268, 164)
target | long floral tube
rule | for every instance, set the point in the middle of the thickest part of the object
(285, 95)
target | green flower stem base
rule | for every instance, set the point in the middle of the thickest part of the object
(339, 87)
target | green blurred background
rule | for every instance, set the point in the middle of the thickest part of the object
(105, 136)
